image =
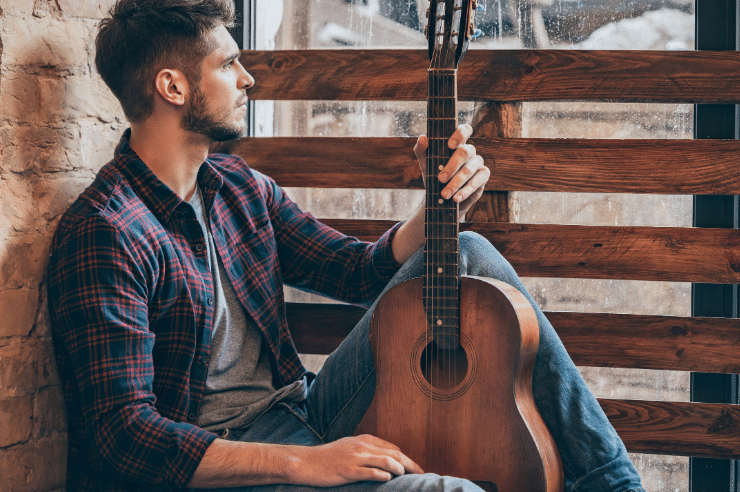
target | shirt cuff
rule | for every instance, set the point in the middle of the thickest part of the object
(384, 262)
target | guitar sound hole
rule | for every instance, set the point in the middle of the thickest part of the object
(443, 368)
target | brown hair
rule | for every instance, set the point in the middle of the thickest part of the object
(141, 37)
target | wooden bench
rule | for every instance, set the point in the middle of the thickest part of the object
(504, 79)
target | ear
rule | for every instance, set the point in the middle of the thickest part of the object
(172, 86)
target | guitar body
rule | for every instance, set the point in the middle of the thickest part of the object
(471, 415)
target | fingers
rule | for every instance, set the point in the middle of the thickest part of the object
(465, 174)
(466, 179)
(398, 463)
(461, 135)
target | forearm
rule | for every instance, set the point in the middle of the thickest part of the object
(409, 237)
(348, 460)
(237, 464)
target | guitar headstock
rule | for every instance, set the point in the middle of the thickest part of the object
(449, 30)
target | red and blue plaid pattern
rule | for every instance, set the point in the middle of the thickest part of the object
(131, 303)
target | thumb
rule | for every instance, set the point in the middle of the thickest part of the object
(421, 147)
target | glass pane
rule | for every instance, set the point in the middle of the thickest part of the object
(513, 24)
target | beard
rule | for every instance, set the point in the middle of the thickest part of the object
(215, 125)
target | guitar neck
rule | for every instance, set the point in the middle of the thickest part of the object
(441, 260)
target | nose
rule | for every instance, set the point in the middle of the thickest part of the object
(245, 79)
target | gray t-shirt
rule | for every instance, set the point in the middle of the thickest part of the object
(239, 386)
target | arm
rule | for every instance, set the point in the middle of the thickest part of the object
(316, 258)
(466, 177)
(98, 298)
(352, 459)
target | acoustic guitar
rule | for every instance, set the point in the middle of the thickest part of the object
(454, 355)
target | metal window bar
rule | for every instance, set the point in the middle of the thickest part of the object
(716, 29)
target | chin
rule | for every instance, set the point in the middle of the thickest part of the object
(222, 134)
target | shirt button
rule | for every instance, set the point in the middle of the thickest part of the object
(191, 417)
(204, 358)
(199, 248)
(210, 301)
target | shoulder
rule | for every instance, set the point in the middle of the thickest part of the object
(104, 210)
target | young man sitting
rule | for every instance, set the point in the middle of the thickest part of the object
(165, 292)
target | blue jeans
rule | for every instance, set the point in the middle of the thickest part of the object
(594, 457)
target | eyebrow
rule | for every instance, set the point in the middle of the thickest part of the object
(231, 57)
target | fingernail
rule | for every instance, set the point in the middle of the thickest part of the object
(446, 194)
(443, 177)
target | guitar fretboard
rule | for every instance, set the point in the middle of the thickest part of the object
(441, 260)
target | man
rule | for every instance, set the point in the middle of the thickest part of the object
(165, 293)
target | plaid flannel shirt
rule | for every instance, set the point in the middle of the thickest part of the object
(131, 303)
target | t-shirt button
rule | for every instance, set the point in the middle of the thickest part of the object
(191, 416)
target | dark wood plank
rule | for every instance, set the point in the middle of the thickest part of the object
(498, 75)
(670, 254)
(314, 162)
(563, 165)
(707, 430)
(592, 339)
(685, 167)
(320, 328)
(650, 342)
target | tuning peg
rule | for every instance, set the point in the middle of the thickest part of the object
(476, 34)
(480, 7)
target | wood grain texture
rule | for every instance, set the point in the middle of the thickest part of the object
(705, 430)
(562, 165)
(498, 75)
(437, 417)
(592, 339)
(671, 254)
(650, 342)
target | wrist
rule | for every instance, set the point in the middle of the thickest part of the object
(291, 462)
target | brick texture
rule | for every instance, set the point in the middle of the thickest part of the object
(58, 125)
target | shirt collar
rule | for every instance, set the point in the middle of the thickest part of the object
(156, 195)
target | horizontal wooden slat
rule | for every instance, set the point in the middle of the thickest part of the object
(678, 428)
(499, 75)
(320, 328)
(564, 165)
(591, 339)
(670, 254)
(314, 162)
(650, 342)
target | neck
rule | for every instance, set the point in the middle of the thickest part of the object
(441, 261)
(173, 154)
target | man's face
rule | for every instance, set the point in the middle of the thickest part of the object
(218, 103)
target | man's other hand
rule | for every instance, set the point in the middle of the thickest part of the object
(348, 460)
